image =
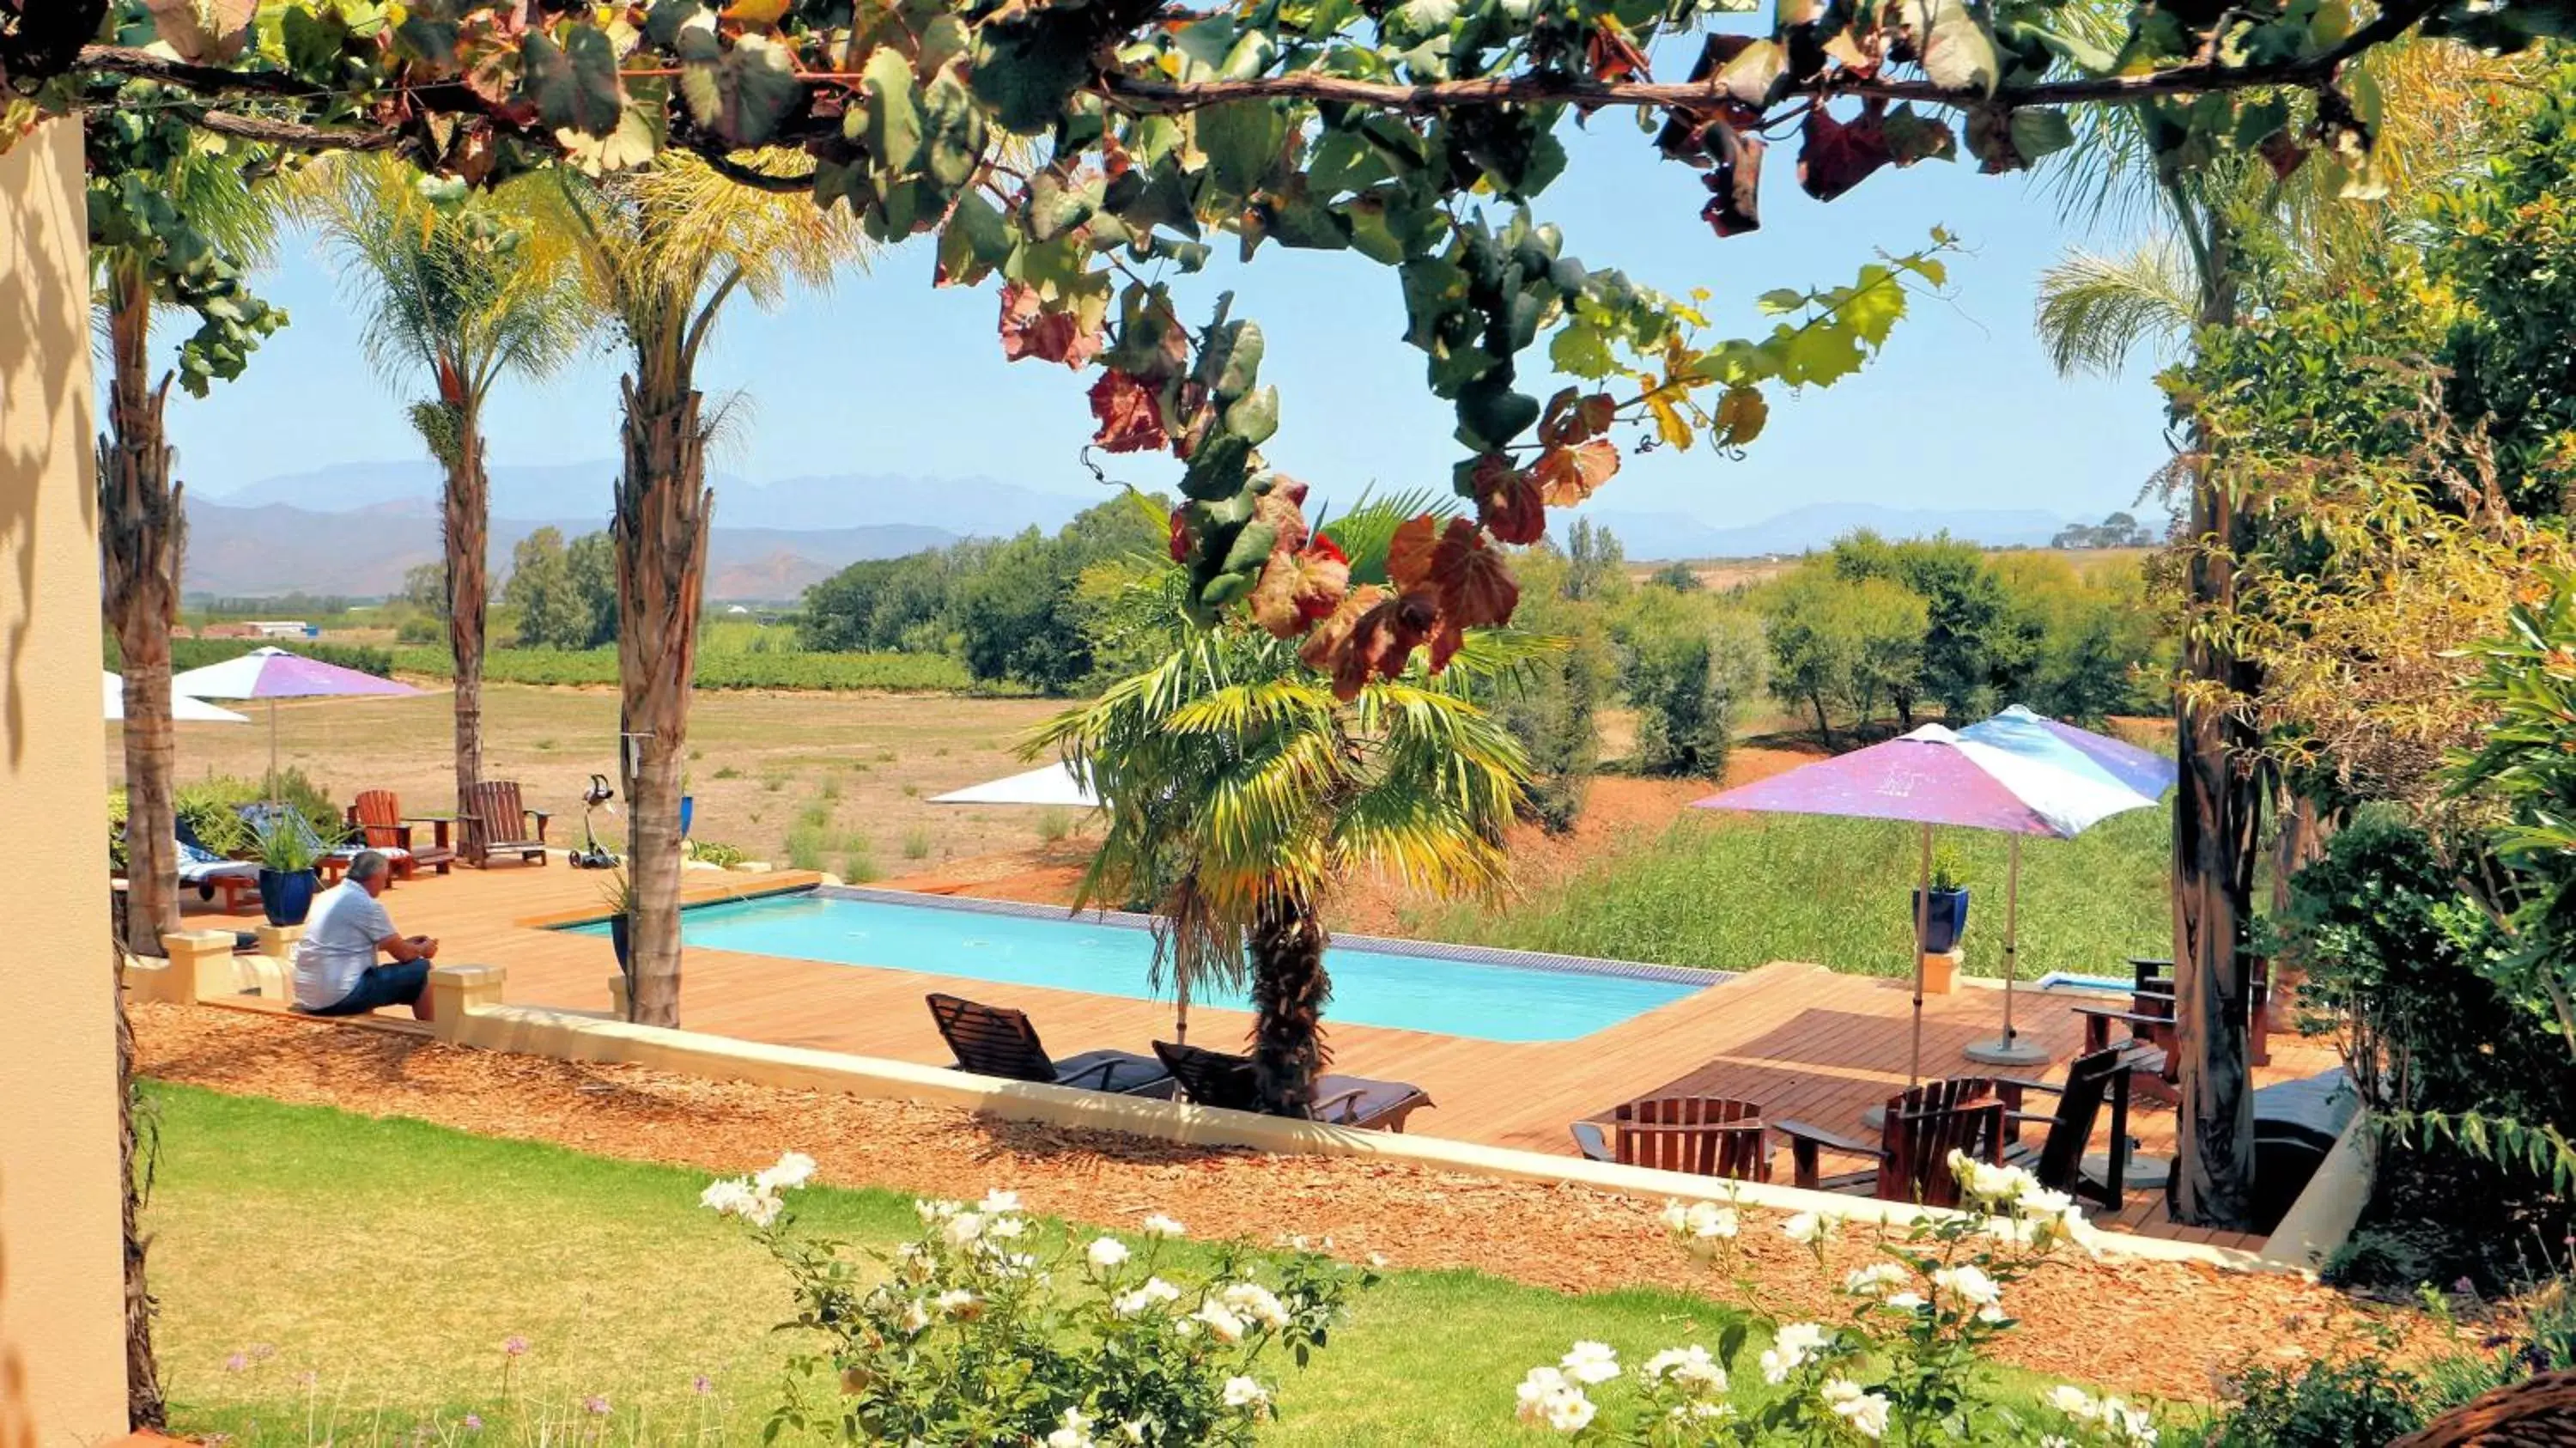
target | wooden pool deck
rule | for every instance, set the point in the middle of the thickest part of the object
(1805, 1042)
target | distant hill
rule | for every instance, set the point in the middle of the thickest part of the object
(1659, 536)
(276, 549)
(984, 507)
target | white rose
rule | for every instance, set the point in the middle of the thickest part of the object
(1256, 1303)
(1227, 1326)
(1005, 1227)
(1691, 1366)
(933, 1211)
(1676, 1217)
(726, 1197)
(1867, 1414)
(963, 1228)
(1243, 1392)
(1568, 1411)
(1074, 1433)
(1159, 1225)
(1533, 1393)
(915, 1316)
(1875, 1280)
(1591, 1362)
(997, 1201)
(1970, 1284)
(959, 1303)
(794, 1169)
(1802, 1338)
(1806, 1229)
(1107, 1252)
(2073, 1401)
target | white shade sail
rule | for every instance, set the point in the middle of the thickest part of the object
(1051, 784)
(184, 708)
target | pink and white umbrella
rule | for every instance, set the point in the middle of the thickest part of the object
(274, 674)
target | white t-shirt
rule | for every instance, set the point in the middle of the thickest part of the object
(339, 944)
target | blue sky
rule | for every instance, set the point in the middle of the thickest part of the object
(887, 375)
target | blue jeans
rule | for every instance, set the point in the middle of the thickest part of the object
(380, 985)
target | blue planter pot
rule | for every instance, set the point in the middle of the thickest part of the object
(1945, 918)
(286, 897)
(688, 806)
(618, 925)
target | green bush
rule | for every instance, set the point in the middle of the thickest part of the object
(186, 654)
(894, 673)
(711, 852)
(2328, 1405)
(211, 809)
(116, 855)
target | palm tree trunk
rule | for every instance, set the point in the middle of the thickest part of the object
(467, 518)
(1289, 989)
(660, 532)
(144, 1406)
(142, 534)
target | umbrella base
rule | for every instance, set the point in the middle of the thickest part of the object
(2014, 1050)
(2145, 1172)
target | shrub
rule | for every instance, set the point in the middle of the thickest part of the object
(916, 843)
(712, 852)
(990, 1328)
(210, 808)
(805, 845)
(1053, 824)
(186, 654)
(2326, 1405)
(116, 855)
(892, 673)
(859, 862)
(1907, 1366)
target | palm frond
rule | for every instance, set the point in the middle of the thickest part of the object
(2095, 310)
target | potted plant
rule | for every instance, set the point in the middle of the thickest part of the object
(619, 896)
(289, 847)
(1944, 911)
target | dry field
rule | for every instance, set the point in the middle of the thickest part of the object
(759, 763)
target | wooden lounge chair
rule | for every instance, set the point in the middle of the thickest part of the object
(1923, 1127)
(2058, 1160)
(995, 1041)
(1215, 1078)
(377, 817)
(498, 824)
(1704, 1135)
(210, 875)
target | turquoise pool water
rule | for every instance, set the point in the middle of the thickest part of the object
(1371, 988)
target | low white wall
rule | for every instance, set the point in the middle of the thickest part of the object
(2323, 1217)
(469, 1012)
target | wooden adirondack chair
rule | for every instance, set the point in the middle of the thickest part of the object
(496, 823)
(1924, 1126)
(1704, 1135)
(377, 817)
(2058, 1160)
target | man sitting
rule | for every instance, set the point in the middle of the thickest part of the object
(335, 964)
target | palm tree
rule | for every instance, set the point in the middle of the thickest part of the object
(1238, 790)
(174, 224)
(466, 293)
(662, 250)
(2187, 275)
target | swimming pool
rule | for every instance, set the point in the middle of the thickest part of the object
(1490, 995)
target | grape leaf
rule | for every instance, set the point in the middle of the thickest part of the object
(745, 94)
(574, 86)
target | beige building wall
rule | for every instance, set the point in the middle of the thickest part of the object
(62, 1352)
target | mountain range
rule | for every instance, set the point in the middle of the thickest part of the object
(353, 528)
(1656, 537)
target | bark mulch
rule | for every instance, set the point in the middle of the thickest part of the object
(2143, 1327)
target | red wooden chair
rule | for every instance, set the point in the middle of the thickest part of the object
(1924, 1125)
(1703, 1135)
(377, 817)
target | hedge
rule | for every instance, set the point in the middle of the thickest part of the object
(899, 673)
(186, 654)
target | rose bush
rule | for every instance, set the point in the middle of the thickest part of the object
(1907, 1365)
(992, 1328)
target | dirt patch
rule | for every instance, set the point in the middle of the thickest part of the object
(2158, 1328)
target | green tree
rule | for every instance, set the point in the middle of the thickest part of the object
(1240, 789)
(552, 612)
(1551, 705)
(1596, 566)
(424, 587)
(1842, 644)
(461, 292)
(662, 250)
(1692, 687)
(591, 562)
(1019, 615)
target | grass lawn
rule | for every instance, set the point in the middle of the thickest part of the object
(392, 1259)
(1730, 892)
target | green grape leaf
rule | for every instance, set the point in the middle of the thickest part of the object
(574, 86)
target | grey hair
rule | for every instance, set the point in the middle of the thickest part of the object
(368, 865)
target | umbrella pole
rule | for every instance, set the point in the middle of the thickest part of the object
(2009, 1049)
(1922, 929)
(272, 754)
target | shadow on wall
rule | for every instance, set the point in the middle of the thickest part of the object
(44, 391)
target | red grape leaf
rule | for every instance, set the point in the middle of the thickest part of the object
(1298, 588)
(1029, 329)
(1567, 475)
(1131, 419)
(1507, 501)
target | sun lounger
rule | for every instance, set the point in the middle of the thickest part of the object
(498, 824)
(996, 1041)
(1702, 1135)
(210, 874)
(378, 818)
(1215, 1078)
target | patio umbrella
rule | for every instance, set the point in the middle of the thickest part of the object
(274, 674)
(1935, 777)
(2063, 746)
(182, 708)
